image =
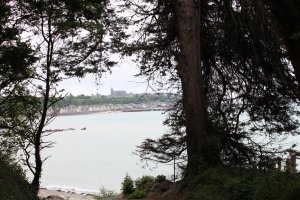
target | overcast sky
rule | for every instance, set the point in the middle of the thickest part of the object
(122, 78)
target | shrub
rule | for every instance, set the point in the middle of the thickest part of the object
(104, 194)
(160, 178)
(127, 186)
(141, 186)
(141, 183)
(137, 194)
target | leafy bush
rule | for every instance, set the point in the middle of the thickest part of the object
(160, 178)
(137, 194)
(140, 187)
(141, 183)
(127, 186)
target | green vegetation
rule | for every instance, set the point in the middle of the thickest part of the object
(127, 186)
(137, 194)
(13, 184)
(140, 187)
(141, 183)
(34, 64)
(104, 194)
(83, 100)
(222, 183)
(160, 178)
(235, 184)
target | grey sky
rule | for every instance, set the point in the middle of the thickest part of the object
(122, 78)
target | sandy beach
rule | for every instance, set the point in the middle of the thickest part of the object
(44, 193)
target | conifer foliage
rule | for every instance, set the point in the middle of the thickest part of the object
(247, 87)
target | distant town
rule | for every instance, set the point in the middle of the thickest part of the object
(118, 100)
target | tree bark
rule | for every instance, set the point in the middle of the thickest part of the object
(287, 14)
(46, 99)
(190, 73)
(37, 141)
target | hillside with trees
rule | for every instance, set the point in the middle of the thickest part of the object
(81, 100)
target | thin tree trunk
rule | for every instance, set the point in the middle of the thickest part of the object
(190, 73)
(37, 145)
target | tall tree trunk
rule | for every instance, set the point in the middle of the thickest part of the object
(287, 13)
(190, 73)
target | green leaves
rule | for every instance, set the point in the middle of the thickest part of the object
(127, 186)
(16, 60)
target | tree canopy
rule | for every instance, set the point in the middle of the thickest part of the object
(248, 84)
(68, 39)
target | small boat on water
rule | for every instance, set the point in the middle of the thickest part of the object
(83, 129)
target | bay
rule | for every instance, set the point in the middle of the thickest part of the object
(102, 154)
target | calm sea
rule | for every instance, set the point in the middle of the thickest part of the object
(101, 155)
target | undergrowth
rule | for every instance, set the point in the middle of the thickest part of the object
(236, 184)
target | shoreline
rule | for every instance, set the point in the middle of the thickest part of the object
(113, 111)
(46, 193)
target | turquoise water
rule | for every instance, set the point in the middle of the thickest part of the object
(102, 154)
